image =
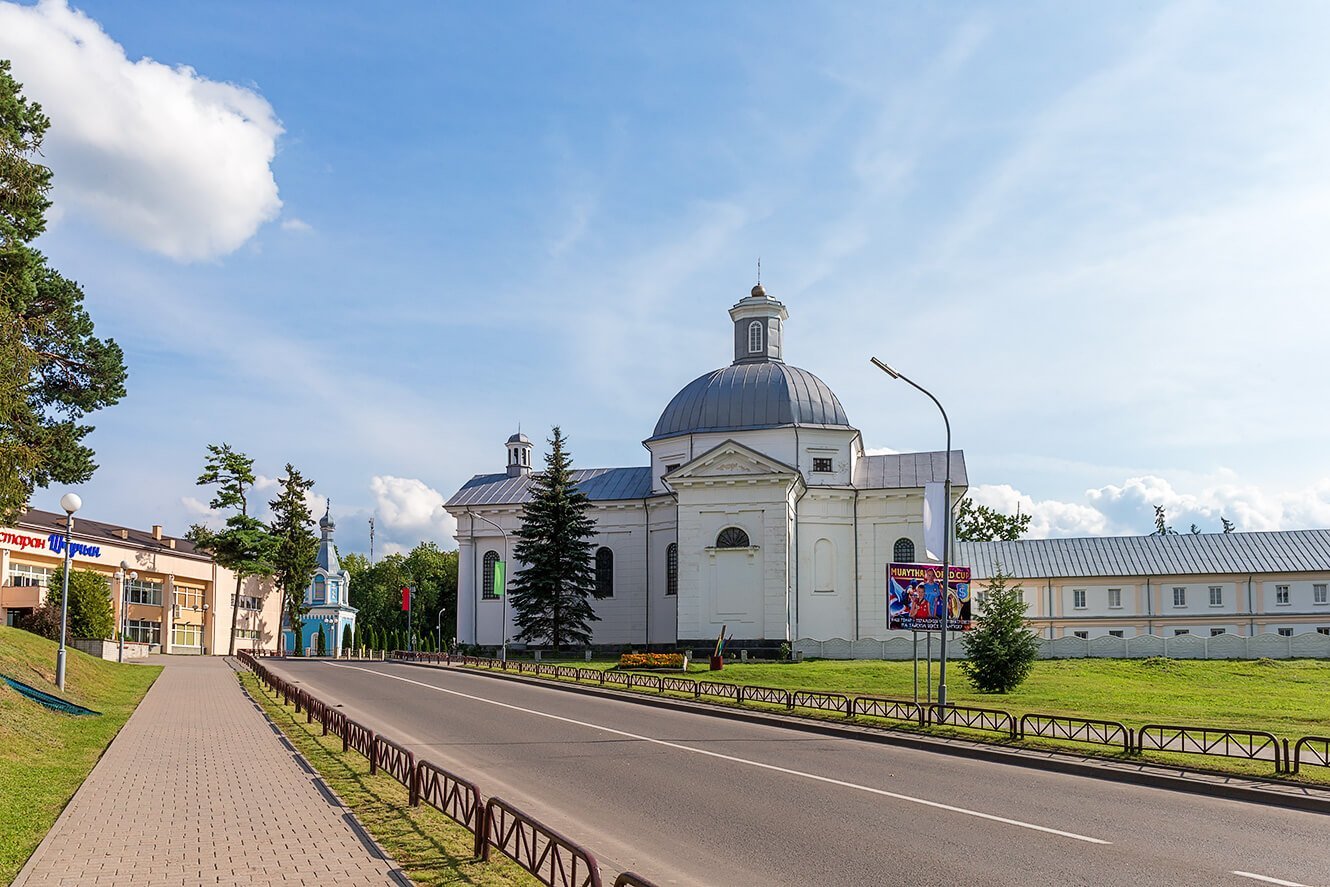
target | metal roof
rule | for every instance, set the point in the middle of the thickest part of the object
(768, 394)
(1287, 551)
(54, 522)
(599, 485)
(904, 470)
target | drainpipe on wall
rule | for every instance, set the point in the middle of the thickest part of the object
(856, 561)
(792, 622)
(1050, 609)
(646, 522)
(1251, 609)
(1149, 608)
(471, 592)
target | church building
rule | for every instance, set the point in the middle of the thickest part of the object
(760, 512)
(327, 597)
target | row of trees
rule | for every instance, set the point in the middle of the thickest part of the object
(376, 591)
(283, 551)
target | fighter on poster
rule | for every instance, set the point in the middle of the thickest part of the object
(915, 597)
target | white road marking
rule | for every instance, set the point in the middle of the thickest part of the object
(1269, 880)
(711, 754)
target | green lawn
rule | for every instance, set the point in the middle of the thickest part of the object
(430, 847)
(1289, 698)
(45, 755)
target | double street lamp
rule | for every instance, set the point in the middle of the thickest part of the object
(946, 527)
(125, 576)
(71, 503)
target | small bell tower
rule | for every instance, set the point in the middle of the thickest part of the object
(519, 455)
(758, 327)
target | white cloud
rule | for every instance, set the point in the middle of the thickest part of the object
(880, 451)
(298, 225)
(161, 155)
(1128, 508)
(411, 511)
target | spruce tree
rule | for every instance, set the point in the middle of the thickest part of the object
(297, 549)
(1001, 651)
(550, 597)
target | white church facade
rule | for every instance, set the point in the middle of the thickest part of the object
(760, 512)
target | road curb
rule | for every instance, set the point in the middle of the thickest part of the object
(1030, 759)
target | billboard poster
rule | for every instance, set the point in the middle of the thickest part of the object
(914, 597)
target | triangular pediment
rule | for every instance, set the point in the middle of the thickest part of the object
(731, 459)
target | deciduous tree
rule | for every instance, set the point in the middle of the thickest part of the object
(979, 523)
(551, 595)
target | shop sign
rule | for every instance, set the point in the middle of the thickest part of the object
(55, 543)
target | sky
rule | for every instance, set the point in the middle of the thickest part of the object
(371, 240)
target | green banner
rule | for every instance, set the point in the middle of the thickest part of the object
(498, 578)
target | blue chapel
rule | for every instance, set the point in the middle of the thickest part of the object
(328, 597)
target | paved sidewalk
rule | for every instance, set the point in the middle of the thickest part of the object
(198, 789)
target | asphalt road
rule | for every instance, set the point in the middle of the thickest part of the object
(687, 798)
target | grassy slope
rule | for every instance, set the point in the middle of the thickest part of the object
(430, 848)
(45, 755)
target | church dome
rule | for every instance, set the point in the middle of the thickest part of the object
(746, 396)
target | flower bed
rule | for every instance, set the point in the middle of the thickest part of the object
(652, 660)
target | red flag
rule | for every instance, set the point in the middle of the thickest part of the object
(406, 598)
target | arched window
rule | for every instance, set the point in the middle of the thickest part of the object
(755, 337)
(487, 592)
(604, 572)
(732, 537)
(903, 552)
(672, 568)
(320, 591)
(824, 566)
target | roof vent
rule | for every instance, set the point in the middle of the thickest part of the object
(170, 543)
(157, 532)
(122, 533)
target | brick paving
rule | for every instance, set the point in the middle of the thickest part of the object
(198, 789)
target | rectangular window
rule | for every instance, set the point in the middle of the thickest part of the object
(1319, 594)
(143, 631)
(247, 634)
(1077, 599)
(1115, 633)
(1179, 632)
(188, 598)
(1216, 595)
(821, 463)
(1286, 632)
(1216, 632)
(143, 591)
(1324, 629)
(1281, 595)
(1083, 635)
(1115, 598)
(1180, 597)
(248, 602)
(27, 576)
(185, 635)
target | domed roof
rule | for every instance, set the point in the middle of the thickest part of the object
(769, 394)
(519, 437)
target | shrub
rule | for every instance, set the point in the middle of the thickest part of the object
(1001, 651)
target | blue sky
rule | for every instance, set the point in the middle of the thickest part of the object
(372, 240)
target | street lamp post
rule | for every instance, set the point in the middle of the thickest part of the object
(946, 528)
(71, 503)
(438, 629)
(125, 575)
(503, 629)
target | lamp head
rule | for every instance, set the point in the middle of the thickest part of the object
(885, 368)
(71, 502)
(124, 566)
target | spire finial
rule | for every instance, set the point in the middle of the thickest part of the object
(759, 270)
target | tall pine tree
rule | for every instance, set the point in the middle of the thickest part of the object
(296, 549)
(551, 596)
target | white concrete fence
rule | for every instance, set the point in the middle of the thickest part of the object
(1307, 645)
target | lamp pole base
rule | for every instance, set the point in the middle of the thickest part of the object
(60, 668)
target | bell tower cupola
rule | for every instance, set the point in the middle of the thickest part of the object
(519, 455)
(758, 327)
